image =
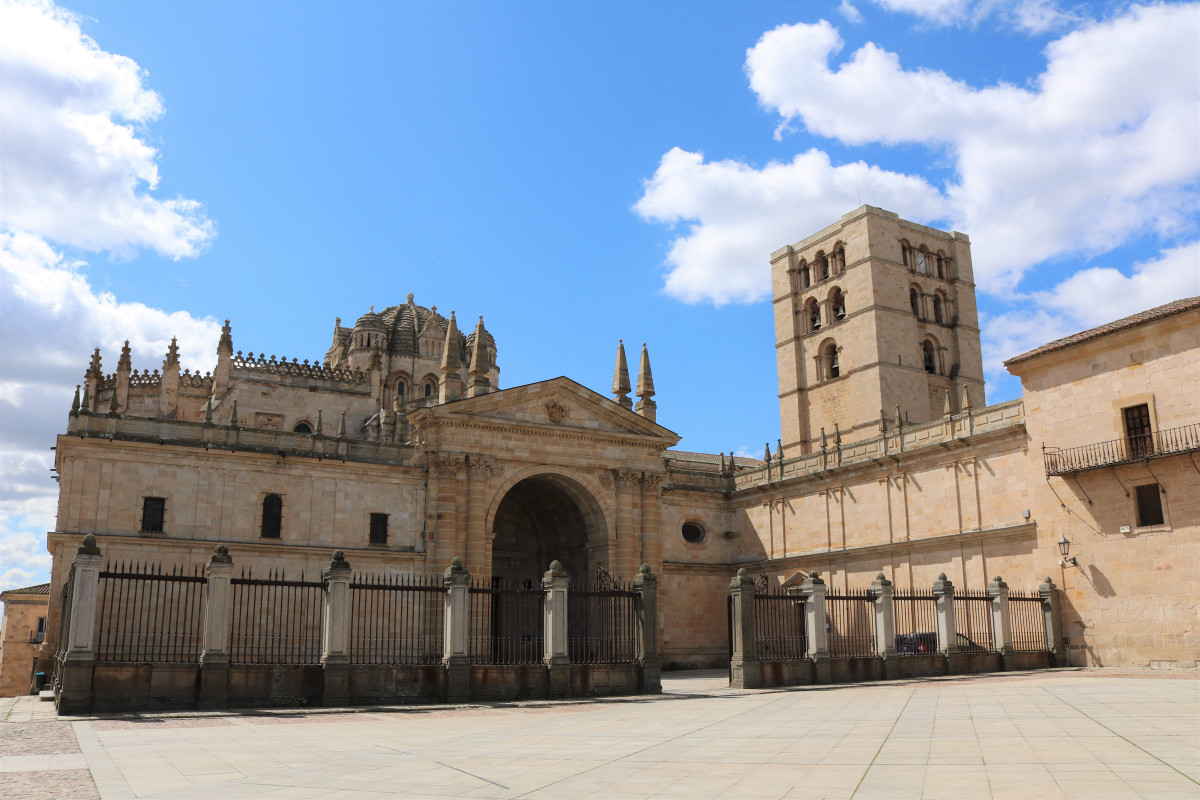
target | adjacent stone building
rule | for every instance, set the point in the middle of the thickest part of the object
(22, 632)
(402, 449)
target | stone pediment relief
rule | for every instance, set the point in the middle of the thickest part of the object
(557, 404)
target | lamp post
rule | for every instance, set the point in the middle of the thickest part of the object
(1064, 548)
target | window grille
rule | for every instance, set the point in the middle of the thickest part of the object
(378, 533)
(272, 516)
(153, 511)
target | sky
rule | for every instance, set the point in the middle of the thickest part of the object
(577, 173)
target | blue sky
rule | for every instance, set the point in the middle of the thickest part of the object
(575, 173)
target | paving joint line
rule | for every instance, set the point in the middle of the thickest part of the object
(1119, 736)
(879, 750)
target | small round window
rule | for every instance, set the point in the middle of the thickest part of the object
(693, 532)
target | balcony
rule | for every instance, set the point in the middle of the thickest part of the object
(1122, 451)
(37, 637)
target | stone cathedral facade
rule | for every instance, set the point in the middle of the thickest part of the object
(402, 449)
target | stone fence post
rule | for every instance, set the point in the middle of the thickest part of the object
(947, 629)
(885, 624)
(1052, 617)
(743, 659)
(335, 657)
(455, 655)
(556, 656)
(218, 611)
(645, 583)
(74, 688)
(813, 592)
(1001, 621)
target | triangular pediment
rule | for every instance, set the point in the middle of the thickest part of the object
(559, 403)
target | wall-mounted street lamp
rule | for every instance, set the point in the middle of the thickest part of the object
(1064, 547)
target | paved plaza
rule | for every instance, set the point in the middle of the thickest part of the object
(1061, 734)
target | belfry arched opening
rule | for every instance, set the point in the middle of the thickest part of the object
(544, 518)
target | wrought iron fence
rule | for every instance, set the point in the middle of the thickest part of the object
(1027, 621)
(276, 620)
(1115, 451)
(916, 624)
(505, 623)
(973, 618)
(779, 626)
(396, 619)
(851, 619)
(64, 618)
(602, 622)
(147, 613)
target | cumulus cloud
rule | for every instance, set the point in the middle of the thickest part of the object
(76, 172)
(50, 319)
(1086, 299)
(731, 209)
(75, 166)
(1103, 147)
(850, 12)
(1031, 16)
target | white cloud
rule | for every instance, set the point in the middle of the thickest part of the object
(850, 12)
(1103, 147)
(737, 208)
(50, 319)
(1030, 16)
(1086, 299)
(74, 166)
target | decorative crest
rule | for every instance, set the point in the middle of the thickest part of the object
(556, 411)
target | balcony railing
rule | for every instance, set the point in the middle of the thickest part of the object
(1120, 451)
(37, 637)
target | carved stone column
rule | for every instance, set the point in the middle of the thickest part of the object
(813, 592)
(554, 629)
(1001, 621)
(218, 613)
(456, 657)
(335, 655)
(885, 625)
(947, 627)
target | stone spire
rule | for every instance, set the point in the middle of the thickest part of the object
(225, 359)
(172, 359)
(93, 370)
(621, 386)
(965, 405)
(168, 391)
(480, 384)
(645, 388)
(120, 395)
(451, 385)
(124, 362)
(91, 382)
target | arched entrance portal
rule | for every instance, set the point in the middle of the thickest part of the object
(543, 518)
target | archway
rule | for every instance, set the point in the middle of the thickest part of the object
(542, 518)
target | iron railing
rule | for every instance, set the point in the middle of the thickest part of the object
(851, 619)
(779, 626)
(1117, 451)
(396, 619)
(602, 622)
(276, 620)
(1027, 620)
(916, 624)
(973, 619)
(505, 623)
(150, 614)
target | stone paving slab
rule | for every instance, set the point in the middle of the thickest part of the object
(1059, 734)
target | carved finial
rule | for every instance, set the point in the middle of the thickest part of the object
(767, 456)
(965, 404)
(824, 441)
(89, 547)
(342, 426)
(837, 434)
(93, 370)
(233, 415)
(409, 298)
(220, 555)
(319, 421)
(124, 363)
(172, 354)
(620, 387)
(456, 567)
(645, 382)
(85, 402)
(942, 576)
(946, 409)
(339, 560)
(75, 402)
(372, 311)
(451, 360)
(479, 361)
(881, 577)
(899, 419)
(644, 569)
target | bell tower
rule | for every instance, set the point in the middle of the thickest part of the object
(873, 313)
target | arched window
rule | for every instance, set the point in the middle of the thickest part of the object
(822, 267)
(930, 357)
(941, 265)
(839, 260)
(828, 367)
(937, 309)
(835, 370)
(838, 301)
(430, 389)
(805, 276)
(906, 254)
(812, 314)
(272, 516)
(302, 427)
(400, 391)
(914, 300)
(922, 262)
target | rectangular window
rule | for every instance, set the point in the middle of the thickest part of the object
(378, 529)
(1137, 430)
(1149, 505)
(153, 510)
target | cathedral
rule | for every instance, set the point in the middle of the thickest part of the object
(403, 450)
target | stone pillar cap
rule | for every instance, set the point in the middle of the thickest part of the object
(220, 555)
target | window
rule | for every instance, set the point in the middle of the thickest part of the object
(39, 634)
(302, 427)
(812, 313)
(805, 276)
(922, 262)
(822, 265)
(941, 266)
(827, 363)
(937, 309)
(839, 305)
(839, 260)
(929, 357)
(378, 533)
(1149, 505)
(153, 511)
(272, 516)
(430, 388)
(693, 532)
(914, 300)
(400, 391)
(1137, 429)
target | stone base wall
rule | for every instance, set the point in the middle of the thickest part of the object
(803, 672)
